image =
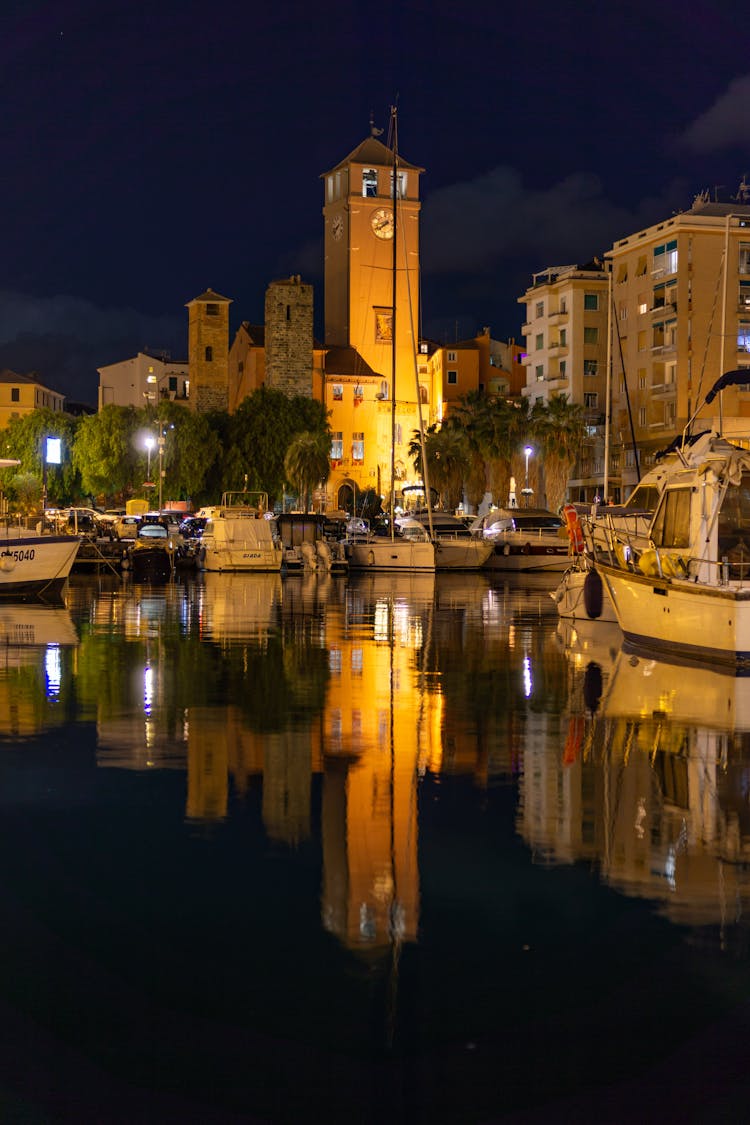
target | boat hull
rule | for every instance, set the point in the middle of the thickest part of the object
(35, 565)
(233, 559)
(461, 554)
(575, 604)
(707, 623)
(528, 555)
(388, 554)
(151, 564)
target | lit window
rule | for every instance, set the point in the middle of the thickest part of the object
(744, 298)
(590, 367)
(744, 257)
(358, 448)
(743, 336)
(369, 182)
(337, 445)
(337, 392)
(383, 326)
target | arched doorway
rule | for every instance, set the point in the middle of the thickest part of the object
(346, 497)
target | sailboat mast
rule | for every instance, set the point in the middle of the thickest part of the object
(394, 263)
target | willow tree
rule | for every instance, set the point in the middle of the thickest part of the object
(105, 452)
(307, 463)
(559, 428)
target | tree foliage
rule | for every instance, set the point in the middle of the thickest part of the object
(307, 463)
(24, 438)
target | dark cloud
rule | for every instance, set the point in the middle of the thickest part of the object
(726, 124)
(64, 339)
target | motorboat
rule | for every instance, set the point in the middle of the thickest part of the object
(524, 539)
(688, 590)
(310, 542)
(455, 547)
(581, 596)
(239, 535)
(152, 554)
(406, 548)
(33, 563)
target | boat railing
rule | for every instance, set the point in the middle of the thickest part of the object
(617, 547)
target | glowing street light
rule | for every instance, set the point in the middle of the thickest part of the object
(528, 492)
(149, 442)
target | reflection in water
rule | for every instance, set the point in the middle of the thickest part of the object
(655, 789)
(321, 808)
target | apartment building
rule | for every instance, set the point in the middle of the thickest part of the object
(681, 318)
(142, 380)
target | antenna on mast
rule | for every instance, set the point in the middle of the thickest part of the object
(374, 131)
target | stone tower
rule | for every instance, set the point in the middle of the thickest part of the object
(208, 351)
(289, 336)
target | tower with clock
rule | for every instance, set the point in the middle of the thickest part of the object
(359, 227)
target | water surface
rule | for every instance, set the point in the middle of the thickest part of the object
(365, 850)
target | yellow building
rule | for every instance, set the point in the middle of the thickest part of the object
(21, 394)
(361, 331)
(681, 295)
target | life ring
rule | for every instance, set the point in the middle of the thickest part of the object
(574, 529)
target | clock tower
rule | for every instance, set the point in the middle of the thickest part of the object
(359, 259)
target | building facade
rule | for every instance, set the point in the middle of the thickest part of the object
(681, 318)
(21, 394)
(208, 351)
(144, 378)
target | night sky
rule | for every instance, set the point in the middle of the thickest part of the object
(151, 150)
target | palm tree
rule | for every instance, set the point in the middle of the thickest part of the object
(307, 463)
(448, 460)
(560, 428)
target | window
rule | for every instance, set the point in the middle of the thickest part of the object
(622, 273)
(212, 309)
(423, 398)
(642, 416)
(452, 377)
(172, 382)
(383, 326)
(358, 448)
(669, 413)
(623, 310)
(642, 266)
(369, 182)
(452, 357)
(642, 302)
(359, 394)
(744, 295)
(401, 185)
(642, 340)
(670, 372)
(591, 335)
(15, 394)
(539, 341)
(665, 257)
(590, 400)
(744, 258)
(563, 337)
(383, 392)
(540, 308)
(743, 336)
(539, 371)
(209, 353)
(337, 392)
(563, 304)
(590, 367)
(671, 526)
(591, 302)
(337, 445)
(563, 368)
(330, 187)
(642, 378)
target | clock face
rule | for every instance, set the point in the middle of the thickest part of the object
(382, 223)
(337, 227)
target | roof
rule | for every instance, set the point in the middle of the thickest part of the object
(373, 151)
(256, 333)
(209, 297)
(347, 361)
(8, 376)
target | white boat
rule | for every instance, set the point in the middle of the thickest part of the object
(411, 550)
(309, 543)
(688, 591)
(524, 539)
(581, 595)
(30, 625)
(239, 537)
(455, 547)
(33, 564)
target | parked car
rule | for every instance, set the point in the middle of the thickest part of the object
(126, 527)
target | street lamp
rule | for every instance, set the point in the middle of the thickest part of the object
(149, 442)
(161, 439)
(526, 490)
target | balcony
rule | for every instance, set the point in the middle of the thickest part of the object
(558, 317)
(556, 348)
